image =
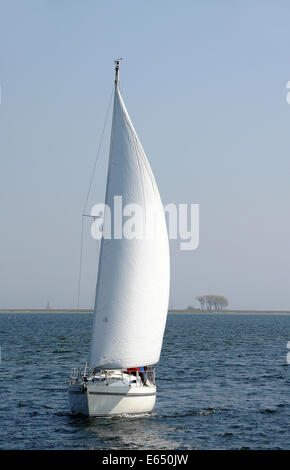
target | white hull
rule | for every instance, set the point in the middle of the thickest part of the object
(117, 394)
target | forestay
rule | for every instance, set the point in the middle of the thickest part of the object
(133, 276)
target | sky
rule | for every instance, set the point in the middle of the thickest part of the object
(205, 84)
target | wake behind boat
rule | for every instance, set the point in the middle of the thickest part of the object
(132, 288)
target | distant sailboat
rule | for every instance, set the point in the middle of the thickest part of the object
(132, 289)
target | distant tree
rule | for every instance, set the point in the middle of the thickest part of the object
(201, 300)
(223, 302)
(209, 300)
(216, 302)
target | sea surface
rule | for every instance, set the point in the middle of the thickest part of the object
(223, 383)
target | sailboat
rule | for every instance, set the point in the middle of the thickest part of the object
(132, 291)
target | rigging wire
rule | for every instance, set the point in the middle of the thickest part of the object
(87, 198)
(98, 152)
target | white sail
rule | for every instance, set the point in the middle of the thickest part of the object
(133, 277)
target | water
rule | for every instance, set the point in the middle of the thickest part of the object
(223, 383)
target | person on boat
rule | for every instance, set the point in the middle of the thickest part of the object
(142, 375)
(133, 370)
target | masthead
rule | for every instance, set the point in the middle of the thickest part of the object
(117, 64)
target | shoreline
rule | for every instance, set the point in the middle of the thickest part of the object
(174, 311)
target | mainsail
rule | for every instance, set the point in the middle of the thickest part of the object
(133, 276)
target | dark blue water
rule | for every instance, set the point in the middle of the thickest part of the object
(223, 383)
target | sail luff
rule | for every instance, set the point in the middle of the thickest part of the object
(94, 327)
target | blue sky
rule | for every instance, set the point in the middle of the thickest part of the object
(205, 85)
